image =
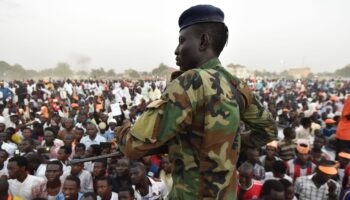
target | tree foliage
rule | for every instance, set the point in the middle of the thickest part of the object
(132, 73)
(98, 73)
(62, 70)
(344, 72)
(161, 70)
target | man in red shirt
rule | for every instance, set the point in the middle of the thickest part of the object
(247, 188)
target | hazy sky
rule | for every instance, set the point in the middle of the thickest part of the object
(264, 34)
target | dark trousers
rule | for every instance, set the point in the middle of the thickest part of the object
(342, 144)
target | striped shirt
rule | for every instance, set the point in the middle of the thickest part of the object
(286, 150)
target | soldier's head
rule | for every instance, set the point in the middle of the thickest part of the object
(203, 35)
(246, 171)
(137, 173)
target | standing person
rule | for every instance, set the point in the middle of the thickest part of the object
(248, 188)
(288, 189)
(267, 160)
(197, 117)
(286, 147)
(253, 158)
(319, 185)
(273, 190)
(301, 165)
(343, 128)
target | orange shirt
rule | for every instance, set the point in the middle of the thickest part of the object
(343, 129)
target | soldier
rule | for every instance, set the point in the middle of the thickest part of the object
(197, 118)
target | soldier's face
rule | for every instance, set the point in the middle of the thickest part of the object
(187, 52)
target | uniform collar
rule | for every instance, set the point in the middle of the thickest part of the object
(211, 63)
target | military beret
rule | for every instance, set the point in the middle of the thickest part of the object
(200, 14)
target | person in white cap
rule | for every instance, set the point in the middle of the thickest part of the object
(109, 134)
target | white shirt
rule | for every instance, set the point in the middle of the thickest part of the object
(87, 140)
(9, 147)
(4, 171)
(269, 175)
(24, 189)
(157, 190)
(86, 184)
(113, 197)
(154, 94)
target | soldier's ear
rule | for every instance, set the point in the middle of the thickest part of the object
(204, 41)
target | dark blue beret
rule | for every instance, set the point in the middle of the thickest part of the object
(199, 14)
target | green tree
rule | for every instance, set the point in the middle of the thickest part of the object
(82, 73)
(132, 73)
(98, 73)
(344, 72)
(62, 70)
(160, 70)
(111, 73)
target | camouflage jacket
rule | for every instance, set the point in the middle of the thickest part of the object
(197, 119)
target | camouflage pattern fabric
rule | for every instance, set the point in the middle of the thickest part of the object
(197, 119)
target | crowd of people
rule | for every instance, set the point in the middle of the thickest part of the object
(46, 124)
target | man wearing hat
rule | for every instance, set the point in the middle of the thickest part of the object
(196, 119)
(319, 185)
(301, 165)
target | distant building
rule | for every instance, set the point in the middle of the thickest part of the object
(299, 72)
(239, 70)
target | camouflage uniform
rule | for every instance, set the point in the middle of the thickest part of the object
(197, 119)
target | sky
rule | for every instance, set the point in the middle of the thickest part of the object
(271, 35)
